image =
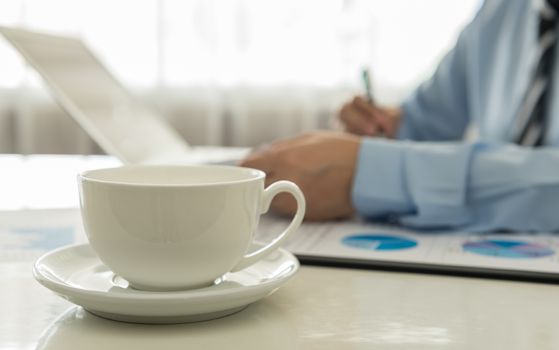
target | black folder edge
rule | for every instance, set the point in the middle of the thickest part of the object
(435, 269)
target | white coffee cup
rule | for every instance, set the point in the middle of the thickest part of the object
(178, 227)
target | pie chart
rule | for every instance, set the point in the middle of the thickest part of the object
(378, 242)
(511, 249)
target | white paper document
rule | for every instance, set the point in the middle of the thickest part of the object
(355, 243)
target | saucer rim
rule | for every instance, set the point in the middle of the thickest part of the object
(58, 285)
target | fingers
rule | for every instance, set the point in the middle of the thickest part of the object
(268, 157)
(260, 159)
(365, 106)
(362, 118)
(378, 115)
(356, 121)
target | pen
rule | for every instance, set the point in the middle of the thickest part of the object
(369, 95)
(367, 82)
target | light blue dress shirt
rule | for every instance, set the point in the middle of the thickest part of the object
(429, 178)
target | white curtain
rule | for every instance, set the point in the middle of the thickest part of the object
(234, 72)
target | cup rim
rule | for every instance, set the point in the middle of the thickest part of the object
(87, 176)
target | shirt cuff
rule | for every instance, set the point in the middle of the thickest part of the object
(379, 186)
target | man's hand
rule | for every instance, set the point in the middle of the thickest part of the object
(322, 164)
(363, 118)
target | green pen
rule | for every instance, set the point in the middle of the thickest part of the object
(366, 77)
(369, 95)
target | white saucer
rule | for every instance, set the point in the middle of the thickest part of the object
(76, 273)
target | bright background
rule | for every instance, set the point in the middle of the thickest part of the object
(233, 72)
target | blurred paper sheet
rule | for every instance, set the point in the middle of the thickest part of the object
(27, 234)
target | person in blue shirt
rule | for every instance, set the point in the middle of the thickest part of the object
(421, 173)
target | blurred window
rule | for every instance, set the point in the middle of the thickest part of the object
(315, 43)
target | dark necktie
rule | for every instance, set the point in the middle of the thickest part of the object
(531, 120)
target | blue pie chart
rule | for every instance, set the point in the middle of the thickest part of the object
(378, 242)
(507, 249)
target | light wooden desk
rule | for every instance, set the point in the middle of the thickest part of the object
(320, 308)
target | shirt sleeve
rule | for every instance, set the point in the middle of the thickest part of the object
(477, 187)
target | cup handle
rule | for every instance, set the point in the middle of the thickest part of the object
(267, 196)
